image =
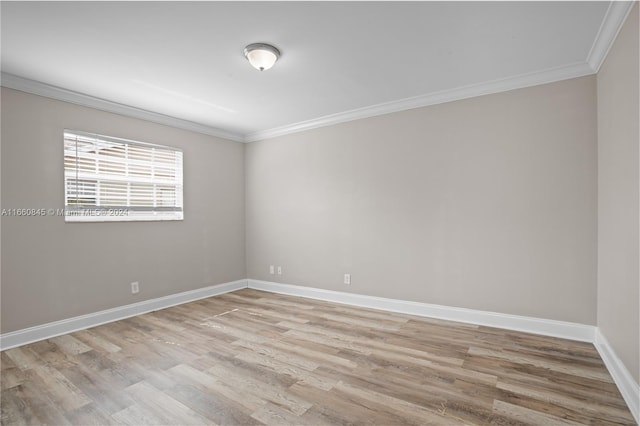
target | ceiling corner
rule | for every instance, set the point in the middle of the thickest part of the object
(33, 87)
(611, 24)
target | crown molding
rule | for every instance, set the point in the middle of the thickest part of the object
(611, 25)
(42, 89)
(496, 86)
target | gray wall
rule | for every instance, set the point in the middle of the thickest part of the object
(618, 214)
(53, 270)
(486, 203)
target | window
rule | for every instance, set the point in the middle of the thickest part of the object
(112, 179)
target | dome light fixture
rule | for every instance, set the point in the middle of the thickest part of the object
(261, 56)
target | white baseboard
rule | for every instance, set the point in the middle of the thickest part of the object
(628, 387)
(57, 328)
(565, 330)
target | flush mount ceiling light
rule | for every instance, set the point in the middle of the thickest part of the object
(261, 56)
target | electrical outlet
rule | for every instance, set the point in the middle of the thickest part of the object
(347, 278)
(279, 270)
(271, 269)
(135, 287)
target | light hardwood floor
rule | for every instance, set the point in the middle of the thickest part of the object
(251, 357)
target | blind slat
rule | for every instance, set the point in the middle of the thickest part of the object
(103, 172)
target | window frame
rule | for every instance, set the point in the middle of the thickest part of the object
(76, 213)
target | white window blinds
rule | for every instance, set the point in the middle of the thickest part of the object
(113, 179)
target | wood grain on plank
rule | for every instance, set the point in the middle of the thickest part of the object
(252, 357)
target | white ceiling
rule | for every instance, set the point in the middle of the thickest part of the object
(184, 59)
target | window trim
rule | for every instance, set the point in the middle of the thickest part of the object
(121, 213)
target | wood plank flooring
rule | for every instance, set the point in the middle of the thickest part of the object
(252, 357)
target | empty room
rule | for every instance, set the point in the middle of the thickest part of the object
(320, 213)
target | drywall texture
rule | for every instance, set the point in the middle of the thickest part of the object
(53, 270)
(618, 214)
(486, 203)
